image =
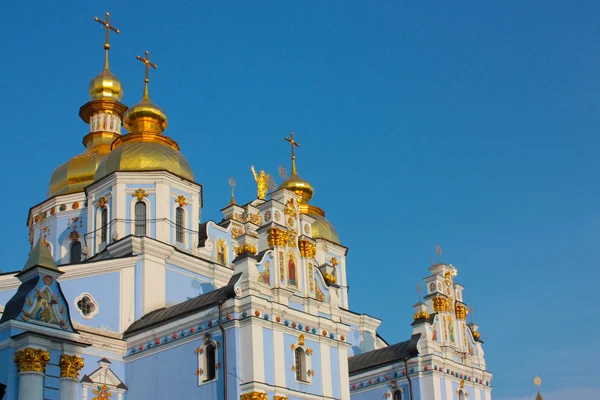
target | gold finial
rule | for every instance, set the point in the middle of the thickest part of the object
(232, 185)
(108, 28)
(148, 64)
(293, 143)
(538, 381)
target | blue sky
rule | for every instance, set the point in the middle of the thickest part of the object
(472, 124)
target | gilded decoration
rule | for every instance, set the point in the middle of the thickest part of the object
(181, 200)
(448, 278)
(334, 261)
(237, 232)
(311, 278)
(329, 277)
(290, 208)
(280, 398)
(268, 215)
(318, 294)
(301, 340)
(460, 311)
(476, 335)
(279, 237)
(102, 201)
(245, 248)
(307, 249)
(140, 194)
(101, 392)
(306, 229)
(262, 179)
(281, 267)
(441, 304)
(421, 315)
(254, 396)
(70, 366)
(74, 235)
(277, 216)
(32, 360)
(255, 218)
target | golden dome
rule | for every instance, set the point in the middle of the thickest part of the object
(140, 155)
(106, 86)
(79, 171)
(145, 148)
(299, 186)
(145, 117)
(321, 228)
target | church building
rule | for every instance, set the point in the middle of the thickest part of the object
(129, 294)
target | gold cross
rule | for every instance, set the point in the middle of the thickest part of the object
(293, 143)
(147, 63)
(108, 27)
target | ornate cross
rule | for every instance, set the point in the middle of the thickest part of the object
(147, 63)
(293, 143)
(108, 27)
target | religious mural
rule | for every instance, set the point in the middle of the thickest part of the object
(292, 272)
(43, 304)
(264, 276)
(221, 252)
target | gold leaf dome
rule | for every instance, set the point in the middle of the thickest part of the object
(79, 171)
(106, 86)
(299, 186)
(321, 228)
(145, 117)
(142, 155)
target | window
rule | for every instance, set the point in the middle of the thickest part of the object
(300, 364)
(397, 395)
(140, 218)
(86, 305)
(211, 362)
(104, 225)
(75, 255)
(461, 395)
(179, 224)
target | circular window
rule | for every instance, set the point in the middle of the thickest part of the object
(86, 305)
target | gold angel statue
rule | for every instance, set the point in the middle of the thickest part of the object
(263, 179)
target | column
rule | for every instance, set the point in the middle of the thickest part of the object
(69, 376)
(32, 367)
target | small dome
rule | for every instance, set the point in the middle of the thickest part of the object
(299, 186)
(75, 174)
(145, 117)
(136, 155)
(106, 86)
(321, 228)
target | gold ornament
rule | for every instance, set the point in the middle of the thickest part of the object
(279, 237)
(254, 396)
(70, 366)
(301, 340)
(307, 249)
(421, 315)
(245, 248)
(440, 304)
(290, 208)
(262, 179)
(102, 201)
(32, 360)
(476, 335)
(140, 194)
(181, 200)
(460, 311)
(102, 393)
(280, 398)
(330, 278)
(538, 381)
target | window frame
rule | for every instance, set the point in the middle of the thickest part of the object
(80, 254)
(140, 223)
(180, 225)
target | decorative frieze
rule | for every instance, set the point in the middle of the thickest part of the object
(254, 396)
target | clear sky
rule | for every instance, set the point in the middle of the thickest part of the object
(471, 123)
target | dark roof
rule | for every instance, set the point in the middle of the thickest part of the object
(387, 355)
(181, 310)
(15, 304)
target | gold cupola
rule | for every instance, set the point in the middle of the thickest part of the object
(145, 148)
(104, 113)
(321, 227)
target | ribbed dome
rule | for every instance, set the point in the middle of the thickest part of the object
(79, 171)
(106, 86)
(299, 186)
(144, 156)
(321, 228)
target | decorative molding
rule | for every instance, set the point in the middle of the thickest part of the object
(70, 366)
(254, 396)
(32, 360)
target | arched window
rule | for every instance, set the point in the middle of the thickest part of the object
(104, 225)
(140, 218)
(179, 225)
(300, 364)
(397, 395)
(75, 252)
(211, 362)
(461, 395)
